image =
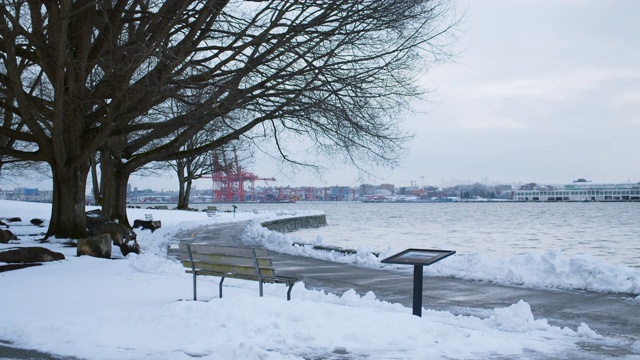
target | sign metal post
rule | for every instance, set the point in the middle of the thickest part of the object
(418, 258)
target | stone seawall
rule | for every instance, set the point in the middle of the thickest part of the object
(295, 223)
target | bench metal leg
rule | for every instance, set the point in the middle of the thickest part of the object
(220, 287)
(194, 287)
(289, 291)
(193, 269)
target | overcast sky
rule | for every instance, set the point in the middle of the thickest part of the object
(542, 91)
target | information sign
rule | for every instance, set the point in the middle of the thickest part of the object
(423, 257)
(418, 258)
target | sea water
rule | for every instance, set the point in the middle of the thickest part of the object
(607, 231)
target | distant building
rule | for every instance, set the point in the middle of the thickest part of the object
(383, 192)
(367, 189)
(390, 187)
(28, 194)
(474, 191)
(504, 191)
(341, 193)
(580, 190)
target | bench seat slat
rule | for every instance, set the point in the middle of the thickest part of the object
(224, 250)
(269, 279)
(230, 269)
(230, 260)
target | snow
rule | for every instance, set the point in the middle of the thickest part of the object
(139, 306)
(551, 269)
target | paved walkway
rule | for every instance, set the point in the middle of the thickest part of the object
(611, 315)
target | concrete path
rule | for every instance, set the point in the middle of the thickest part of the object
(611, 315)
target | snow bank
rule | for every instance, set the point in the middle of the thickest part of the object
(550, 269)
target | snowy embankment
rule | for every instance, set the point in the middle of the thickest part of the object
(139, 306)
(551, 269)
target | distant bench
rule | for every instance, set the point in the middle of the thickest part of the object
(231, 262)
(211, 211)
(159, 207)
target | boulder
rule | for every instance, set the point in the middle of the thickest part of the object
(95, 218)
(13, 219)
(37, 222)
(10, 267)
(33, 254)
(130, 248)
(6, 236)
(96, 246)
(147, 224)
(119, 233)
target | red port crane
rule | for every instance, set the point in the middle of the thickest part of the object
(229, 178)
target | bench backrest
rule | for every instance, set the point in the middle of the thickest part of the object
(224, 259)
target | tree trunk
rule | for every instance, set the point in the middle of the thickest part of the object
(115, 177)
(183, 194)
(68, 208)
(187, 193)
(183, 203)
(96, 184)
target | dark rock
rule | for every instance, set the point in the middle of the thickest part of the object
(119, 233)
(37, 222)
(96, 246)
(6, 236)
(95, 218)
(159, 207)
(17, 266)
(70, 243)
(29, 255)
(13, 219)
(295, 223)
(130, 248)
(147, 224)
(2, 223)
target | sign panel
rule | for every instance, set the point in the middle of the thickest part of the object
(418, 257)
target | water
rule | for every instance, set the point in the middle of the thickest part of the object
(607, 231)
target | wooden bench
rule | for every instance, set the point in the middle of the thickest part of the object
(231, 262)
(212, 211)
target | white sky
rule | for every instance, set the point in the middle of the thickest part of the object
(543, 91)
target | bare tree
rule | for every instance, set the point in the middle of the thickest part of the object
(16, 168)
(189, 169)
(97, 75)
(194, 167)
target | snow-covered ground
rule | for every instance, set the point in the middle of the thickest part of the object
(139, 307)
